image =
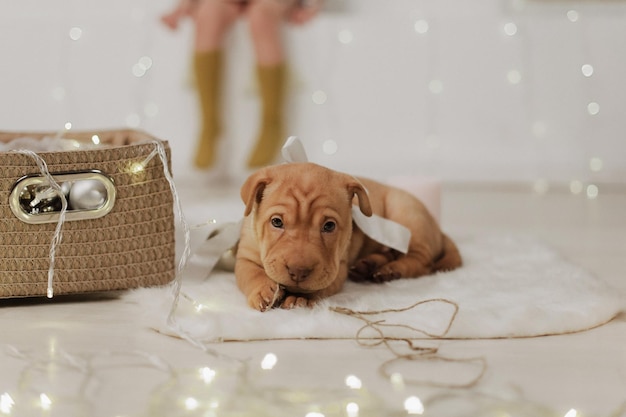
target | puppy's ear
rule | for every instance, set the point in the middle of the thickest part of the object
(252, 189)
(355, 187)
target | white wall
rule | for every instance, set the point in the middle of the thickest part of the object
(463, 101)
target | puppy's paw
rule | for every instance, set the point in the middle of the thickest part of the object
(385, 274)
(292, 301)
(362, 270)
(267, 296)
(372, 268)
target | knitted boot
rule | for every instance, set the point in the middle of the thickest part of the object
(272, 90)
(208, 72)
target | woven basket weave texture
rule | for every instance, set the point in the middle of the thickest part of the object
(132, 246)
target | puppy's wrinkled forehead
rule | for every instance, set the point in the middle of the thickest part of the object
(305, 184)
(306, 187)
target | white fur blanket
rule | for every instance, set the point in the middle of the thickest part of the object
(508, 287)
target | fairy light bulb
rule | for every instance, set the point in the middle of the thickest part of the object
(353, 382)
(592, 191)
(352, 410)
(269, 361)
(413, 406)
(207, 375)
(587, 70)
(571, 413)
(345, 36)
(75, 33)
(510, 29)
(45, 401)
(573, 16)
(6, 403)
(191, 404)
(421, 26)
(319, 97)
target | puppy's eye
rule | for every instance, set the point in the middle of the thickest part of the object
(277, 222)
(329, 226)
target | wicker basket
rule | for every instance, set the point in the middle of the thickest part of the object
(130, 246)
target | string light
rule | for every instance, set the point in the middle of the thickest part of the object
(576, 187)
(353, 382)
(421, 26)
(330, 147)
(593, 108)
(595, 164)
(319, 97)
(435, 86)
(75, 33)
(592, 191)
(352, 410)
(413, 406)
(269, 361)
(510, 29)
(191, 403)
(6, 403)
(573, 16)
(45, 401)
(587, 70)
(207, 375)
(345, 36)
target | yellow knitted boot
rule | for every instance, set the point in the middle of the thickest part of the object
(272, 90)
(208, 72)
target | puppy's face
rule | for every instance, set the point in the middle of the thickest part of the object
(302, 222)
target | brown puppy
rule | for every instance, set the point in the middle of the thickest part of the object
(299, 244)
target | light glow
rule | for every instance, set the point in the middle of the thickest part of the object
(571, 413)
(330, 147)
(414, 406)
(510, 29)
(593, 108)
(352, 410)
(592, 191)
(421, 26)
(587, 70)
(46, 402)
(76, 33)
(572, 16)
(191, 403)
(207, 374)
(6, 403)
(576, 187)
(345, 36)
(595, 164)
(353, 381)
(319, 97)
(269, 361)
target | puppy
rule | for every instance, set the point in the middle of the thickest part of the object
(299, 244)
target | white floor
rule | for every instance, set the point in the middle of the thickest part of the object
(87, 356)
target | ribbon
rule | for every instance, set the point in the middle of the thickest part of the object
(385, 231)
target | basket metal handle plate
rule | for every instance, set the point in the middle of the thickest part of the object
(28, 190)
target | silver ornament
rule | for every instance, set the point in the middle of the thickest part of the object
(87, 195)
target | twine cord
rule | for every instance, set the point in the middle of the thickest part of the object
(417, 353)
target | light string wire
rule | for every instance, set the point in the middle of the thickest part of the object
(176, 285)
(57, 237)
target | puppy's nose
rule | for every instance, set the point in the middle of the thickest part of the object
(298, 274)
